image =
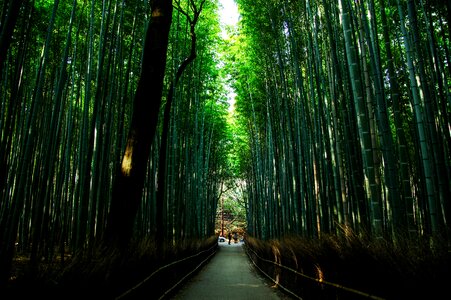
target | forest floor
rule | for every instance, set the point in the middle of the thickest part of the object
(228, 275)
(356, 267)
(408, 270)
(106, 273)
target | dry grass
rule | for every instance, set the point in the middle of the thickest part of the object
(103, 273)
(409, 269)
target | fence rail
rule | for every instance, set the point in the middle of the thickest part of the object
(319, 281)
(142, 283)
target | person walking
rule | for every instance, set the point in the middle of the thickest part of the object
(230, 237)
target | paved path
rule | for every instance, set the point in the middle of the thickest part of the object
(228, 275)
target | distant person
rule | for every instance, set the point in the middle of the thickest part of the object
(230, 237)
(235, 237)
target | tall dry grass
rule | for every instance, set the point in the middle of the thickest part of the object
(105, 273)
(407, 269)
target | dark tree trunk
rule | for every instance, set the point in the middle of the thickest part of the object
(128, 187)
(161, 185)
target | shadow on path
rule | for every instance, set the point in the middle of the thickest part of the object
(228, 275)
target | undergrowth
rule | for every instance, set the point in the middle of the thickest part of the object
(357, 267)
(104, 273)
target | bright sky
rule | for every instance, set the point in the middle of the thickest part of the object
(229, 16)
(229, 12)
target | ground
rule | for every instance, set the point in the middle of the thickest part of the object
(229, 275)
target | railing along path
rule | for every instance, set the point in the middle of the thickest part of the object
(320, 281)
(172, 264)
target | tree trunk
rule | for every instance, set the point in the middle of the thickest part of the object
(364, 129)
(421, 126)
(129, 181)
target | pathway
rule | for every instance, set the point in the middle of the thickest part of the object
(228, 275)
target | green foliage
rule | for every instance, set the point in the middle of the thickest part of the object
(292, 149)
(64, 118)
(309, 160)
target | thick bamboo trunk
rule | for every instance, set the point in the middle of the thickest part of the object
(129, 182)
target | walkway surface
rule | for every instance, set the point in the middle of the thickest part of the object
(229, 275)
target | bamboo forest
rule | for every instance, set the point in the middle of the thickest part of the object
(134, 133)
